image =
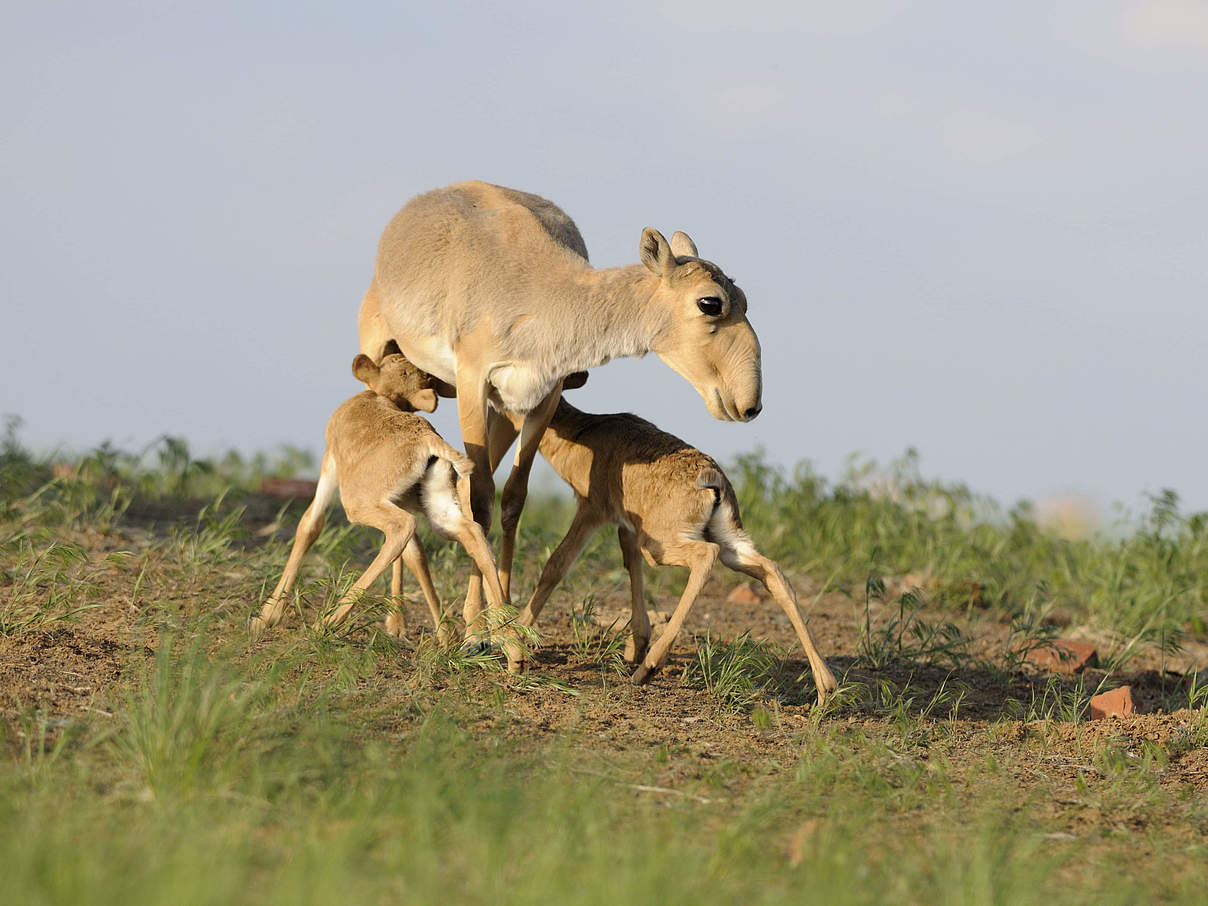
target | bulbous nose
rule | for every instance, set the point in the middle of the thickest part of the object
(753, 411)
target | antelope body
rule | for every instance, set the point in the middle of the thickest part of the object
(672, 504)
(390, 465)
(490, 291)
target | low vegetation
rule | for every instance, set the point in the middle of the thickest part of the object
(152, 751)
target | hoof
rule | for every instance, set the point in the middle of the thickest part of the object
(322, 627)
(478, 645)
(396, 626)
(640, 676)
(635, 649)
(256, 627)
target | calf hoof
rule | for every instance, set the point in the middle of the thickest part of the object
(639, 676)
(635, 649)
(257, 626)
(396, 625)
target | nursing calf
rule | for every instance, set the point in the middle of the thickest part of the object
(390, 465)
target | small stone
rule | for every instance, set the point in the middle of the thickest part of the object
(1066, 656)
(1058, 617)
(1116, 703)
(288, 488)
(744, 594)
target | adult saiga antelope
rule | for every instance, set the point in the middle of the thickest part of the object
(490, 291)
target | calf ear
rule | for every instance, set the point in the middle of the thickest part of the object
(682, 245)
(655, 252)
(364, 370)
(423, 400)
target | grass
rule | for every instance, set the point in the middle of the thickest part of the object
(1146, 577)
(201, 767)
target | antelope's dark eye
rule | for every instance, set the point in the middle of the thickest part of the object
(709, 305)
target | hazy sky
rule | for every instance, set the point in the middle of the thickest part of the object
(979, 230)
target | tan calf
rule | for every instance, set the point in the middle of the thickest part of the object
(672, 504)
(390, 465)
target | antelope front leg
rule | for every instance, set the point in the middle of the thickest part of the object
(472, 416)
(515, 491)
(472, 539)
(699, 556)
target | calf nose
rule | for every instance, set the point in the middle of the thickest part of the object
(753, 411)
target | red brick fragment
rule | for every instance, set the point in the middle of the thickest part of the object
(288, 488)
(1116, 703)
(744, 594)
(1066, 656)
(803, 839)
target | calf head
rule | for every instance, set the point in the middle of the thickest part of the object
(397, 380)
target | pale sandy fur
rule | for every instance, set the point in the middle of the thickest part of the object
(490, 290)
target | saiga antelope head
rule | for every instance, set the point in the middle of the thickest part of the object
(705, 335)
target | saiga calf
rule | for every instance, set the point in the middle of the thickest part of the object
(390, 465)
(672, 504)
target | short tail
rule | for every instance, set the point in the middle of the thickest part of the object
(463, 466)
(327, 485)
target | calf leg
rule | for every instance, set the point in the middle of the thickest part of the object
(398, 526)
(417, 561)
(396, 620)
(560, 562)
(741, 555)
(308, 531)
(699, 557)
(639, 622)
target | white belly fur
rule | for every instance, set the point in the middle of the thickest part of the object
(519, 387)
(432, 354)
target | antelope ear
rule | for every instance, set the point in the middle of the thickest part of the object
(423, 400)
(682, 245)
(364, 370)
(656, 253)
